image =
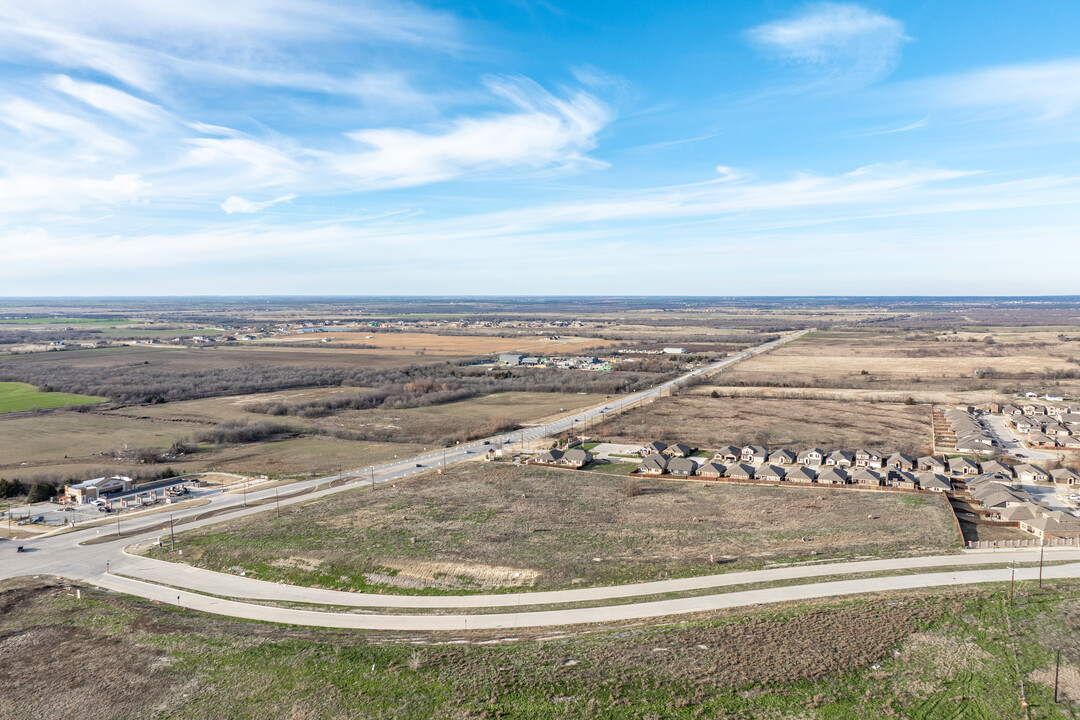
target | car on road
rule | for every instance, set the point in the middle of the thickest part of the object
(419, 465)
(20, 549)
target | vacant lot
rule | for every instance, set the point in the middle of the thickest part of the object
(482, 523)
(912, 361)
(707, 422)
(442, 425)
(15, 397)
(72, 435)
(918, 656)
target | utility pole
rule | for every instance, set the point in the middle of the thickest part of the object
(245, 492)
(277, 503)
(373, 477)
(1012, 581)
(118, 524)
(172, 532)
(1042, 548)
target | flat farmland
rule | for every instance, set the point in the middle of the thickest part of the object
(223, 357)
(455, 345)
(706, 422)
(16, 397)
(908, 361)
(482, 526)
(44, 439)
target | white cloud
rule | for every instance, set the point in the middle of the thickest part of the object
(545, 131)
(110, 100)
(1049, 90)
(840, 43)
(236, 204)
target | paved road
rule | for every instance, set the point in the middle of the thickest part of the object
(547, 618)
(1011, 443)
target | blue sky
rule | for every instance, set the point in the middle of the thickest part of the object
(521, 147)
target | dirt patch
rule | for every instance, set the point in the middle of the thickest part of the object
(486, 576)
(945, 656)
(305, 564)
(1068, 681)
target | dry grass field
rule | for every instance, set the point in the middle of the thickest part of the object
(72, 435)
(209, 411)
(706, 422)
(455, 345)
(479, 524)
(467, 419)
(889, 361)
(230, 356)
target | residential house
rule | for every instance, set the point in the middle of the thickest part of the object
(866, 477)
(962, 466)
(834, 475)
(575, 458)
(1045, 527)
(729, 454)
(654, 464)
(801, 475)
(550, 457)
(1016, 513)
(1002, 499)
(683, 466)
(840, 458)
(901, 479)
(654, 448)
(769, 472)
(1038, 439)
(782, 457)
(929, 463)
(868, 458)
(740, 471)
(1065, 476)
(1026, 426)
(713, 470)
(935, 482)
(813, 456)
(1011, 410)
(993, 467)
(754, 454)
(900, 461)
(1031, 473)
(678, 450)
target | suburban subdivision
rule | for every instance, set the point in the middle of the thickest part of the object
(777, 508)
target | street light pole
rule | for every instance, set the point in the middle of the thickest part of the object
(172, 532)
(1012, 581)
(277, 503)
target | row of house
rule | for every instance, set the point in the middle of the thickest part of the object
(1009, 503)
(1045, 426)
(971, 436)
(659, 464)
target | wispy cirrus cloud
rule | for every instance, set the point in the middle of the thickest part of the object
(542, 131)
(839, 44)
(1047, 90)
(236, 204)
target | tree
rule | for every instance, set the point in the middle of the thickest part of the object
(41, 492)
(11, 488)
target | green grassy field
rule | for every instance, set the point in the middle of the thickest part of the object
(957, 654)
(15, 397)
